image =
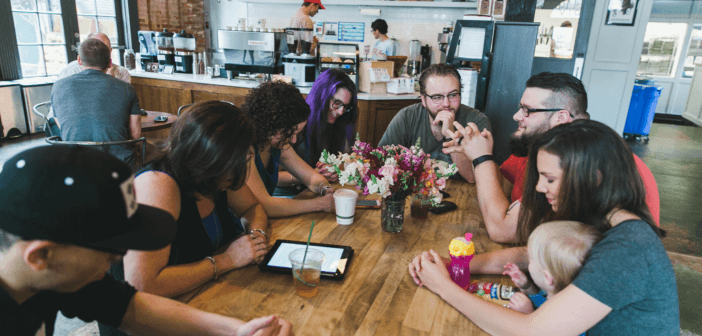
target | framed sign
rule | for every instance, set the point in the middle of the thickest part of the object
(621, 12)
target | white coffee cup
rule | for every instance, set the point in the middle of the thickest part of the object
(345, 202)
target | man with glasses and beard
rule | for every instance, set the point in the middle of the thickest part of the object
(550, 99)
(432, 119)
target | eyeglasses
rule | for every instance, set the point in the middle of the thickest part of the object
(526, 111)
(338, 103)
(438, 99)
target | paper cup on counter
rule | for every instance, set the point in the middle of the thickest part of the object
(345, 203)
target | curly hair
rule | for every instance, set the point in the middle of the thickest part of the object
(275, 107)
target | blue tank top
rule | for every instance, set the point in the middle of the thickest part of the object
(268, 176)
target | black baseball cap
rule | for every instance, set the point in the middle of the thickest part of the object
(81, 196)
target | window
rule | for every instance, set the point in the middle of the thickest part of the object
(98, 16)
(661, 49)
(40, 36)
(694, 52)
(41, 29)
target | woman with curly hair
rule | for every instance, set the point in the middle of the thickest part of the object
(330, 126)
(279, 113)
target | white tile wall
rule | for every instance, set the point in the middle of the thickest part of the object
(404, 23)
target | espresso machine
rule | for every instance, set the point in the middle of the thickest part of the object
(166, 51)
(298, 63)
(253, 52)
(147, 48)
(185, 47)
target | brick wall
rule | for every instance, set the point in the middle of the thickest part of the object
(174, 15)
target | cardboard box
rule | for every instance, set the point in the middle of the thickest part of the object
(365, 84)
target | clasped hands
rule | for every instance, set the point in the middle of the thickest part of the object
(469, 141)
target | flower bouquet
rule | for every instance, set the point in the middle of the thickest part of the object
(393, 172)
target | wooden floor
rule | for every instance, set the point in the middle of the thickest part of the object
(674, 155)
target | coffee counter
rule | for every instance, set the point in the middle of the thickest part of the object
(168, 92)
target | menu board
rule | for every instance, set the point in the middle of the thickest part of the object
(351, 31)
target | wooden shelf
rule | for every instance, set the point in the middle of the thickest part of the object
(425, 4)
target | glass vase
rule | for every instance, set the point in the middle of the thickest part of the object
(392, 214)
(420, 206)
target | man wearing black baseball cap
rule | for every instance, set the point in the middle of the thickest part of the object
(67, 213)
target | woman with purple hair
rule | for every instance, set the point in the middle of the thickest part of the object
(330, 126)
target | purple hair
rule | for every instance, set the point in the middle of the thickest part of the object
(321, 135)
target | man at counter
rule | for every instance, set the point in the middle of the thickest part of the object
(114, 70)
(550, 99)
(384, 45)
(302, 19)
(94, 106)
(432, 119)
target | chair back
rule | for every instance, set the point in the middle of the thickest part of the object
(50, 127)
(56, 140)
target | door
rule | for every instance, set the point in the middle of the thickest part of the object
(563, 35)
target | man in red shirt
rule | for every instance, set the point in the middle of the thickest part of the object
(550, 99)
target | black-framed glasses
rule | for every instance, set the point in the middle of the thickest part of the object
(438, 99)
(338, 103)
(526, 111)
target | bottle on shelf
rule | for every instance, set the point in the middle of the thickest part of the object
(201, 64)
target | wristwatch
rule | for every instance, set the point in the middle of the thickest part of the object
(482, 159)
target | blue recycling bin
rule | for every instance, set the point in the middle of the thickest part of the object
(642, 108)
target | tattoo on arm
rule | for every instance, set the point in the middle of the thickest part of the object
(511, 206)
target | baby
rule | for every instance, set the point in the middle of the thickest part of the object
(556, 253)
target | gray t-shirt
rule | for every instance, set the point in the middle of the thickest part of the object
(94, 106)
(630, 272)
(413, 122)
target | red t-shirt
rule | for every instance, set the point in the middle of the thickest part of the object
(514, 170)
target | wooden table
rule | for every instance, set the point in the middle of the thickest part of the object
(152, 130)
(378, 296)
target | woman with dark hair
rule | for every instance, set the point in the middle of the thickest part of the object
(200, 180)
(582, 171)
(279, 113)
(330, 125)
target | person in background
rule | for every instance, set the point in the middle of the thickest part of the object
(331, 123)
(94, 106)
(580, 171)
(114, 70)
(550, 99)
(279, 113)
(199, 180)
(55, 258)
(384, 45)
(302, 19)
(432, 120)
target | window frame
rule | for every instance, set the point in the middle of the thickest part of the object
(10, 68)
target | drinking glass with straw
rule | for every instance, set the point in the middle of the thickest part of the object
(307, 280)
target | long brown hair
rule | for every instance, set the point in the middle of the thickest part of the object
(599, 175)
(210, 142)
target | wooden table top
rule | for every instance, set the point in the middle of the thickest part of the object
(148, 124)
(377, 296)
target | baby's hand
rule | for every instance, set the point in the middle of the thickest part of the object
(521, 303)
(518, 277)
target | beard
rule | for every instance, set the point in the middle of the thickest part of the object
(519, 145)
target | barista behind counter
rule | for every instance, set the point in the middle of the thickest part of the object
(385, 45)
(302, 19)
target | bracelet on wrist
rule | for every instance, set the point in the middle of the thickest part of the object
(261, 231)
(214, 265)
(324, 190)
(482, 159)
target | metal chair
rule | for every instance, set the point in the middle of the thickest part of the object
(183, 107)
(50, 126)
(56, 140)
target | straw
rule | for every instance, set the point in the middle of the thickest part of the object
(308, 246)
